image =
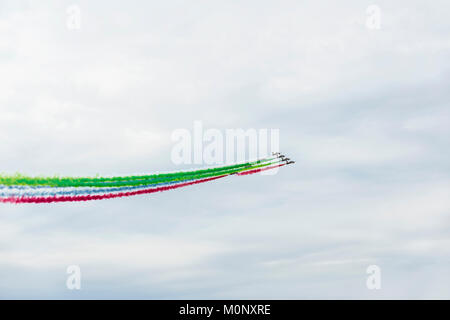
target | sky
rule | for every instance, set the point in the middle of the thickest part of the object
(364, 112)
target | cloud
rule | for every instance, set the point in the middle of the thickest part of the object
(363, 112)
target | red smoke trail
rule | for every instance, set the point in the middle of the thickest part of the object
(259, 170)
(101, 196)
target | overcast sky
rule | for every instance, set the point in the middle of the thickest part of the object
(364, 112)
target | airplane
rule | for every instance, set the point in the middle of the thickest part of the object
(289, 162)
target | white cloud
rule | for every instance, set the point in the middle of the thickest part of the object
(364, 113)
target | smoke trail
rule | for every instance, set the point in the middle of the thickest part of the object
(259, 170)
(34, 191)
(48, 190)
(103, 196)
(120, 181)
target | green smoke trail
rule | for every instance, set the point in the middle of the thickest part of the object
(20, 180)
